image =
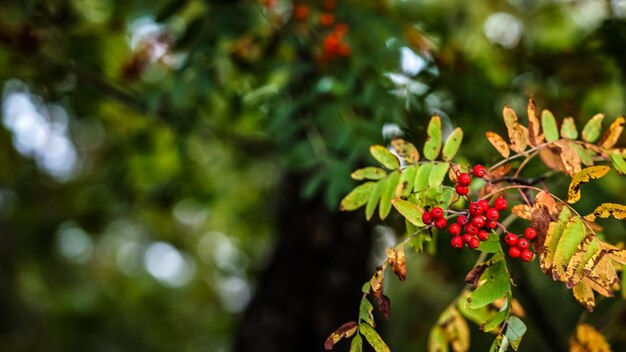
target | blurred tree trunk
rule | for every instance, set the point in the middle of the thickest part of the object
(312, 284)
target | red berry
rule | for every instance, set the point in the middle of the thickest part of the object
(483, 235)
(479, 171)
(455, 229)
(484, 204)
(462, 220)
(471, 229)
(514, 252)
(427, 219)
(475, 209)
(436, 213)
(467, 238)
(492, 214)
(441, 223)
(522, 243)
(464, 179)
(491, 224)
(461, 190)
(526, 255)
(456, 242)
(301, 12)
(510, 239)
(530, 233)
(473, 243)
(500, 204)
(478, 221)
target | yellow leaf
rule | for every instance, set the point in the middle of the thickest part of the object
(573, 236)
(584, 176)
(568, 128)
(344, 331)
(406, 150)
(498, 143)
(569, 157)
(522, 211)
(534, 126)
(588, 339)
(584, 295)
(517, 135)
(575, 269)
(613, 133)
(377, 282)
(553, 235)
(451, 329)
(397, 259)
(605, 210)
(600, 273)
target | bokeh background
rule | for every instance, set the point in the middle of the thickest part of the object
(170, 170)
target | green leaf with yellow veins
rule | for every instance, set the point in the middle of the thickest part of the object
(433, 141)
(407, 181)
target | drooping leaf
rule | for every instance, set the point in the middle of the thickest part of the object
(373, 338)
(374, 199)
(515, 330)
(377, 290)
(389, 190)
(588, 339)
(612, 135)
(432, 146)
(344, 331)
(553, 236)
(568, 129)
(517, 134)
(534, 127)
(496, 285)
(357, 198)
(585, 175)
(569, 157)
(421, 177)
(584, 295)
(366, 311)
(437, 340)
(385, 157)
(451, 147)
(618, 163)
(496, 320)
(605, 210)
(499, 143)
(410, 211)
(357, 344)
(573, 235)
(549, 126)
(397, 259)
(406, 150)
(438, 174)
(592, 129)
(407, 181)
(369, 173)
(451, 330)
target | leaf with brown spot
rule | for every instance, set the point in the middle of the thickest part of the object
(344, 331)
(569, 157)
(406, 150)
(369, 173)
(551, 157)
(450, 330)
(534, 126)
(584, 295)
(499, 143)
(407, 180)
(498, 172)
(586, 155)
(592, 129)
(432, 146)
(572, 237)
(601, 274)
(544, 198)
(522, 211)
(397, 259)
(373, 338)
(588, 339)
(517, 135)
(568, 128)
(553, 236)
(377, 283)
(605, 210)
(575, 269)
(584, 176)
(612, 135)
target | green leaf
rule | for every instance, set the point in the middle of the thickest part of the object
(568, 128)
(366, 287)
(573, 235)
(492, 245)
(357, 344)
(497, 285)
(479, 316)
(553, 235)
(407, 181)
(369, 173)
(496, 320)
(515, 330)
(591, 131)
(373, 199)
(451, 147)
(585, 155)
(500, 344)
(357, 198)
(437, 341)
(373, 338)
(437, 174)
(446, 198)
(385, 157)
(433, 141)
(549, 126)
(389, 191)
(366, 310)
(410, 211)
(618, 163)
(421, 178)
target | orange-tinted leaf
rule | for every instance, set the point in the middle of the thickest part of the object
(498, 142)
(522, 211)
(534, 136)
(584, 176)
(344, 331)
(588, 339)
(613, 133)
(517, 135)
(396, 258)
(569, 157)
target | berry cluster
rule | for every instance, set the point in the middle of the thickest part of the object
(519, 247)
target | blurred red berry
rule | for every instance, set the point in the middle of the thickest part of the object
(461, 190)
(492, 214)
(464, 179)
(510, 239)
(500, 204)
(514, 252)
(301, 12)
(441, 223)
(455, 229)
(479, 171)
(526, 255)
(436, 212)
(327, 19)
(329, 4)
(456, 242)
(530, 233)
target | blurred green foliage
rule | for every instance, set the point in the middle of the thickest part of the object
(144, 143)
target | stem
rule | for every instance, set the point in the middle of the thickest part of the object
(504, 161)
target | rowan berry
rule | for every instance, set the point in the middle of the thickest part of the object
(483, 235)
(462, 220)
(455, 229)
(427, 219)
(301, 12)
(471, 229)
(478, 221)
(436, 213)
(479, 171)
(475, 209)
(456, 242)
(510, 239)
(491, 224)
(461, 190)
(530, 233)
(467, 238)
(522, 243)
(464, 179)
(514, 252)
(441, 223)
(484, 204)
(327, 19)
(526, 255)
(492, 214)
(500, 204)
(473, 243)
